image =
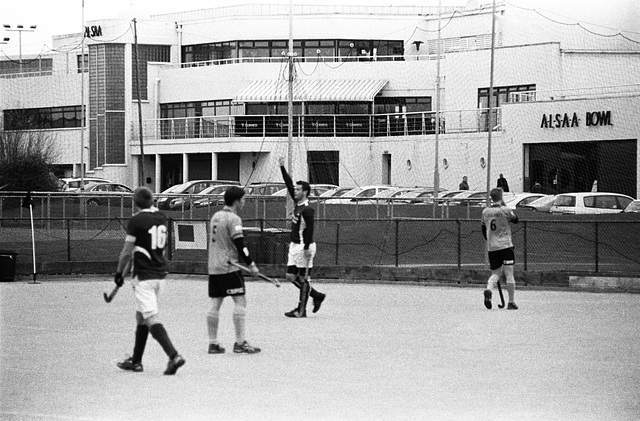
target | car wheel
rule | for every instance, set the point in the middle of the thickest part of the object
(93, 202)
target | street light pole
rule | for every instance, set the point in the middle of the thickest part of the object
(19, 29)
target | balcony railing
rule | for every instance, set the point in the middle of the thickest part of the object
(575, 93)
(326, 125)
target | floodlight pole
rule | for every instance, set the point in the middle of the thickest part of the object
(82, 110)
(20, 29)
(490, 111)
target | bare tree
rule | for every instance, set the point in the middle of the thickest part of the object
(26, 161)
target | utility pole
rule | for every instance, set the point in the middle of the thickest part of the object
(290, 105)
(137, 69)
(436, 165)
(490, 111)
(82, 110)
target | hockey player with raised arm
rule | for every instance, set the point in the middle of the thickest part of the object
(302, 248)
(497, 232)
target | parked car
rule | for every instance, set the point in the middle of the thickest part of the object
(316, 190)
(207, 197)
(108, 193)
(633, 207)
(359, 194)
(263, 189)
(73, 184)
(590, 203)
(393, 193)
(521, 199)
(190, 187)
(337, 192)
(419, 196)
(542, 204)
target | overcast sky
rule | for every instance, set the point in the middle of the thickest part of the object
(55, 17)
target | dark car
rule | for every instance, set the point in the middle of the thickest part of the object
(188, 188)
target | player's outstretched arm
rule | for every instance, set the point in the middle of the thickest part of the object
(287, 179)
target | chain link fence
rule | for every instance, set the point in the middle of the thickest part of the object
(546, 245)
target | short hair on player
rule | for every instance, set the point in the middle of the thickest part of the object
(232, 194)
(143, 198)
(496, 194)
(305, 186)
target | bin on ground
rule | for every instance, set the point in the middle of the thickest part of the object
(269, 245)
(7, 266)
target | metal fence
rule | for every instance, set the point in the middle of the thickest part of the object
(325, 125)
(550, 245)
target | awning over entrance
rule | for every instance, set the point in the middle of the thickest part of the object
(311, 90)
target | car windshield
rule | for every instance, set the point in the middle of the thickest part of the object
(545, 200)
(173, 189)
(633, 207)
(564, 200)
(214, 190)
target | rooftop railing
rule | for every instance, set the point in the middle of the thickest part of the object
(326, 125)
(316, 59)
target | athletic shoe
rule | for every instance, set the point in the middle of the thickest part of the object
(487, 298)
(216, 349)
(129, 365)
(174, 364)
(512, 306)
(317, 302)
(294, 313)
(245, 348)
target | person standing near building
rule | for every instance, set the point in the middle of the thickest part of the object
(144, 246)
(503, 184)
(497, 232)
(464, 185)
(226, 247)
(302, 248)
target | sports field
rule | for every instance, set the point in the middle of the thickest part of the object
(373, 352)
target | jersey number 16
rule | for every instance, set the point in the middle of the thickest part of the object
(158, 236)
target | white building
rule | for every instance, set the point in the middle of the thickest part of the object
(214, 92)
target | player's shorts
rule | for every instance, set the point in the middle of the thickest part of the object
(502, 257)
(226, 284)
(146, 293)
(297, 258)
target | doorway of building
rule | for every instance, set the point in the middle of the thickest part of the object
(170, 170)
(386, 168)
(229, 166)
(200, 166)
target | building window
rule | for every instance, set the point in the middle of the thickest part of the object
(86, 63)
(155, 53)
(501, 94)
(43, 118)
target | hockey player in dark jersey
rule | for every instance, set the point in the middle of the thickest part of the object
(144, 248)
(302, 248)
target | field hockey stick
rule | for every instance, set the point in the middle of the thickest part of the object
(113, 293)
(501, 296)
(109, 297)
(274, 281)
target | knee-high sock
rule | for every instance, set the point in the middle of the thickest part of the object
(239, 318)
(160, 334)
(212, 327)
(511, 289)
(305, 289)
(313, 293)
(142, 333)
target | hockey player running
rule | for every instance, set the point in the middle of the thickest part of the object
(497, 232)
(227, 245)
(144, 245)
(302, 248)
